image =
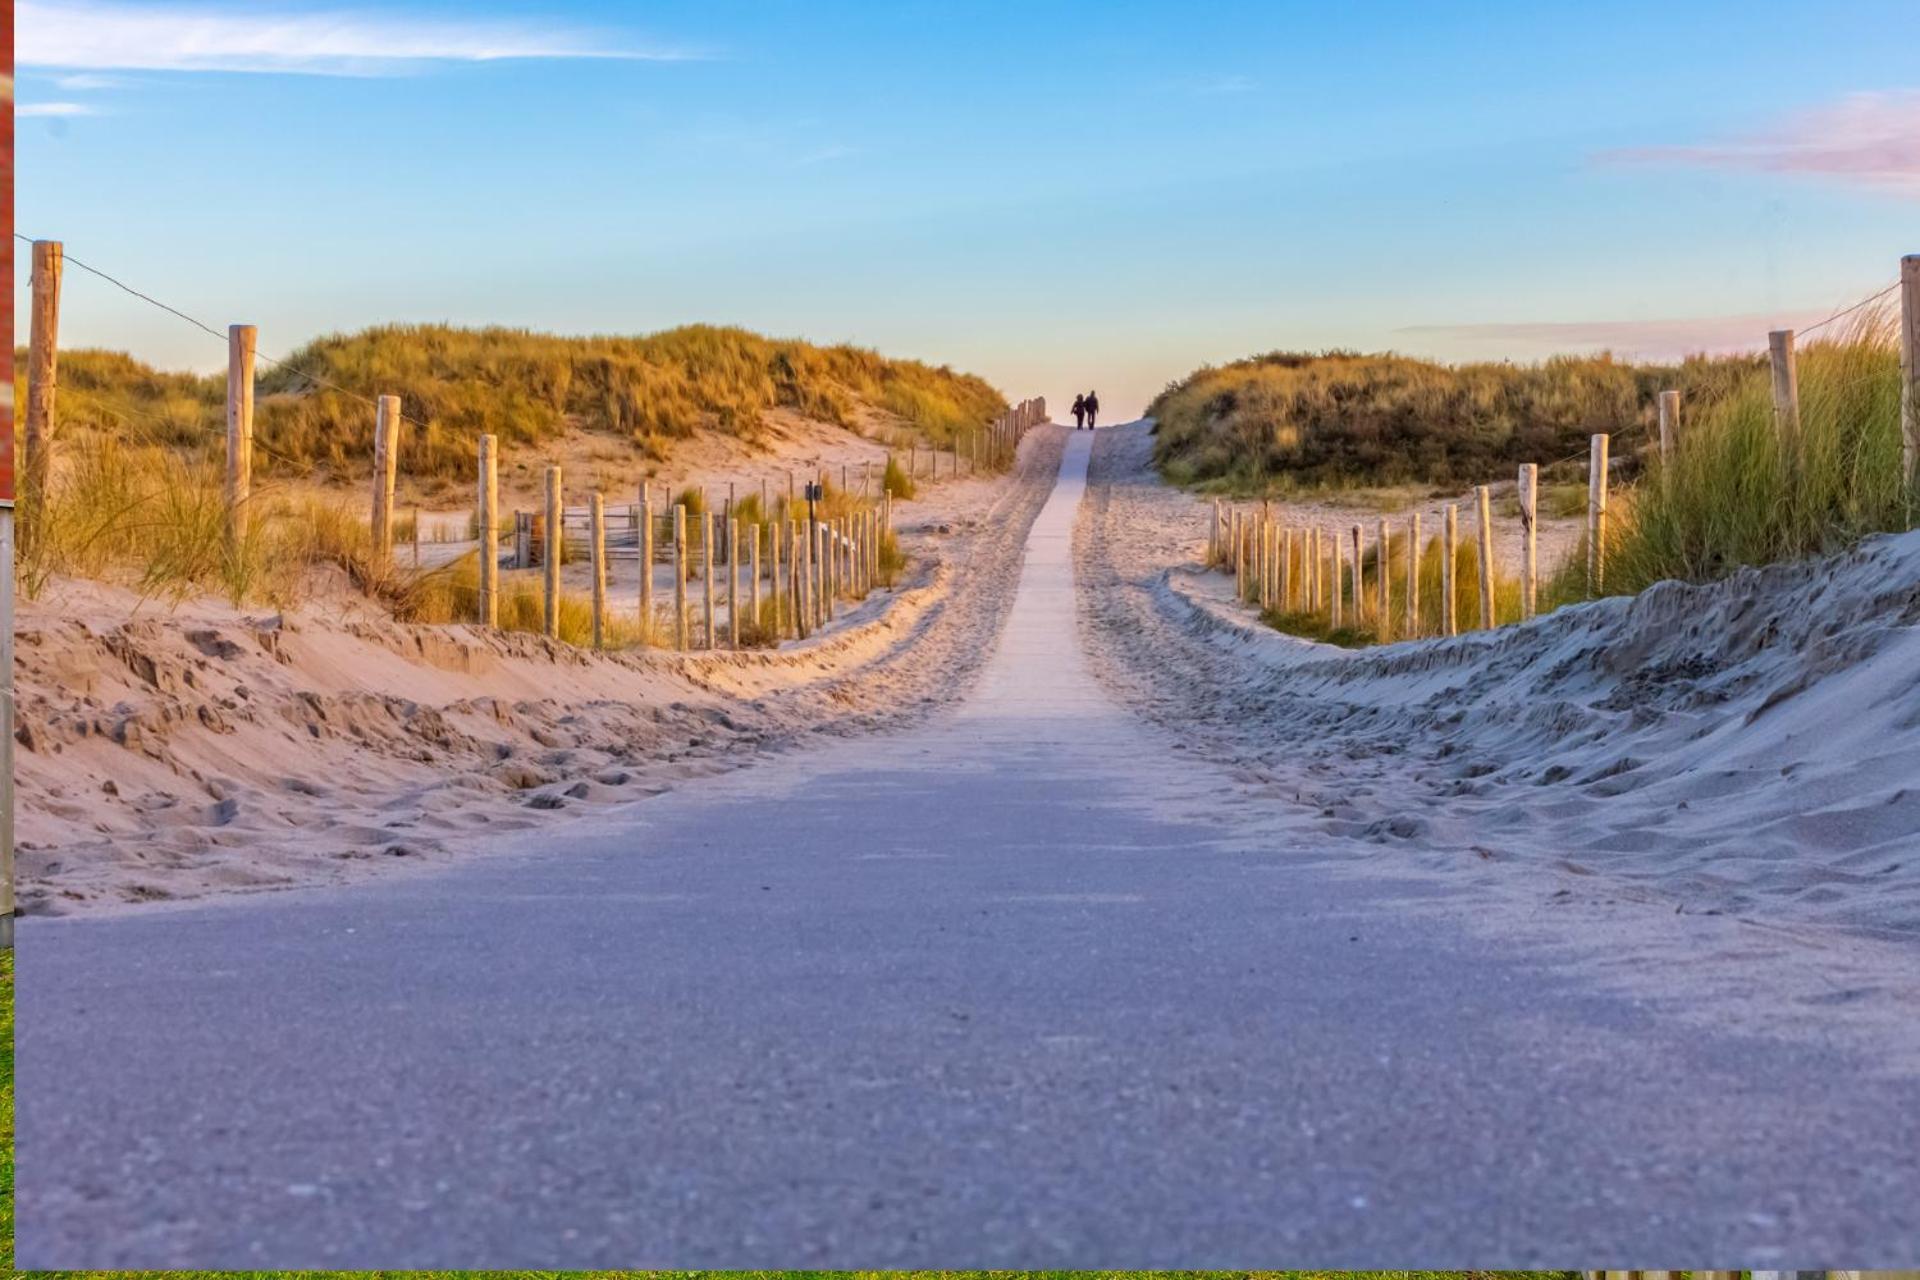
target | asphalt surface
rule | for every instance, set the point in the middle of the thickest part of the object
(1015, 988)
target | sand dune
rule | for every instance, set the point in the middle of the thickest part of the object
(1749, 747)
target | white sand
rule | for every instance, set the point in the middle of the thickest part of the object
(171, 753)
(1750, 747)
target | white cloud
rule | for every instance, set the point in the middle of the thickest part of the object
(87, 81)
(54, 109)
(95, 35)
(1865, 139)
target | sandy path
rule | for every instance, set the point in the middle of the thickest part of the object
(169, 755)
(1026, 985)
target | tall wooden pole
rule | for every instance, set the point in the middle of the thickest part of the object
(43, 360)
(1529, 537)
(488, 520)
(1596, 514)
(1910, 373)
(386, 457)
(241, 342)
(1449, 587)
(555, 552)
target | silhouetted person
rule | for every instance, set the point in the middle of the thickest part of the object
(1079, 412)
(1092, 406)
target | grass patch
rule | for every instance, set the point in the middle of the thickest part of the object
(526, 388)
(1289, 422)
(1740, 492)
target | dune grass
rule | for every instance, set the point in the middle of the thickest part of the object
(1740, 491)
(1293, 423)
(1360, 623)
(527, 388)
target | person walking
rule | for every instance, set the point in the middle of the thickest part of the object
(1079, 412)
(1092, 405)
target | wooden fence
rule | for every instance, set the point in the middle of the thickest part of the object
(785, 572)
(1298, 569)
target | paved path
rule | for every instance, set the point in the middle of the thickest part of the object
(1017, 988)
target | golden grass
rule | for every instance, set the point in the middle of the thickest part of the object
(526, 388)
(1289, 422)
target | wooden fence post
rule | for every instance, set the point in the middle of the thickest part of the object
(1449, 588)
(43, 363)
(1483, 503)
(1359, 581)
(802, 571)
(1596, 514)
(773, 580)
(386, 450)
(489, 531)
(753, 578)
(1910, 375)
(1786, 389)
(597, 549)
(1669, 425)
(733, 584)
(554, 552)
(1312, 567)
(823, 563)
(680, 637)
(645, 548)
(1385, 551)
(242, 340)
(708, 519)
(1339, 568)
(1413, 576)
(1530, 529)
(1286, 569)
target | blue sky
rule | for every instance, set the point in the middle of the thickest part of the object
(1056, 196)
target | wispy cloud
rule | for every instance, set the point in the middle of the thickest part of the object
(55, 109)
(102, 35)
(1866, 139)
(89, 81)
(824, 155)
(1666, 339)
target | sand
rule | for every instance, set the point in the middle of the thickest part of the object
(1748, 748)
(171, 753)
